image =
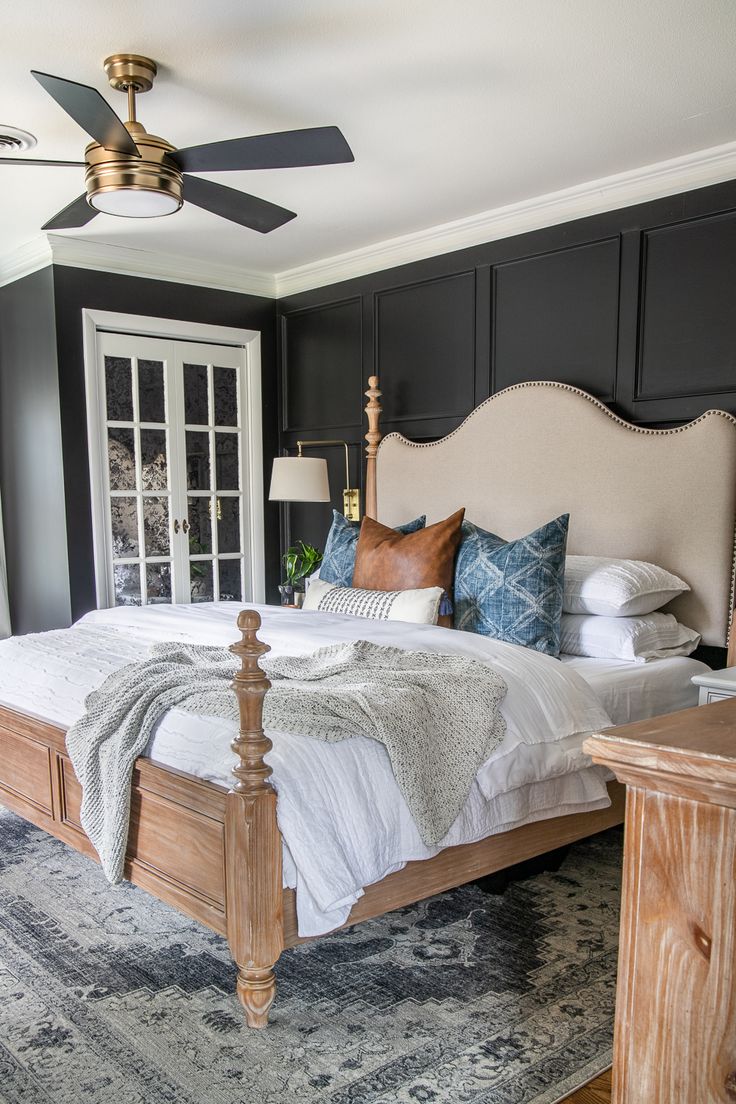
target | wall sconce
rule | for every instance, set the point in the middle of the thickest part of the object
(304, 479)
(299, 479)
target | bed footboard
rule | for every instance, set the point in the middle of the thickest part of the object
(253, 865)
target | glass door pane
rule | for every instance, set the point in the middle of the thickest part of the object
(138, 468)
(211, 384)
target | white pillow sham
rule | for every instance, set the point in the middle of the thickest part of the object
(637, 639)
(420, 607)
(617, 588)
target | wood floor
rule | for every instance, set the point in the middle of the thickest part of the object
(595, 1092)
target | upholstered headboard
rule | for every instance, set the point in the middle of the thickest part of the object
(537, 450)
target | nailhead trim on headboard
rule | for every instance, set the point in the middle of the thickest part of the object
(575, 391)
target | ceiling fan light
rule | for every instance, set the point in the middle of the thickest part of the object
(135, 202)
(146, 186)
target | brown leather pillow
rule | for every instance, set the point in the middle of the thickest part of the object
(387, 560)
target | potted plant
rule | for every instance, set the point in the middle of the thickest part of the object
(299, 562)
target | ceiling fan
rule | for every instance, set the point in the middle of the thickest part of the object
(135, 174)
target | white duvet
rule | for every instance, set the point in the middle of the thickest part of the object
(343, 819)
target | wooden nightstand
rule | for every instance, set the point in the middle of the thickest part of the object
(675, 1036)
(716, 685)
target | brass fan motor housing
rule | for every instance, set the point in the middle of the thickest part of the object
(130, 71)
(153, 171)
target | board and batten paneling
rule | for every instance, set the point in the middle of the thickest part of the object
(635, 306)
(555, 316)
(425, 332)
(688, 317)
(322, 348)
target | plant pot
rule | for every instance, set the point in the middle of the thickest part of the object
(290, 596)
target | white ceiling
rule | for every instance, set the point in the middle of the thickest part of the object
(451, 109)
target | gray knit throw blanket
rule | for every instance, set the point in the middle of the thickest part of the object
(437, 716)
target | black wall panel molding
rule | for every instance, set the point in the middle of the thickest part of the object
(687, 346)
(555, 316)
(321, 349)
(425, 347)
(635, 306)
(628, 321)
(483, 332)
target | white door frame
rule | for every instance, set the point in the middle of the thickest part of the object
(96, 321)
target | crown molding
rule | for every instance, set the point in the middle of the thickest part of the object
(61, 249)
(680, 174)
(28, 258)
(83, 253)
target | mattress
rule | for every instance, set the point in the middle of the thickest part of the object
(343, 819)
(637, 691)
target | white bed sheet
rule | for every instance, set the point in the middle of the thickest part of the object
(637, 691)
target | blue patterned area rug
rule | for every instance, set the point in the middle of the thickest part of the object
(108, 996)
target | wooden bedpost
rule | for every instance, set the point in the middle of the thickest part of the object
(254, 887)
(373, 437)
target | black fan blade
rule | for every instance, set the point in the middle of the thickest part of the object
(93, 113)
(247, 210)
(287, 150)
(36, 161)
(78, 213)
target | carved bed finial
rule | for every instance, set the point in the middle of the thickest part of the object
(250, 686)
(373, 412)
(254, 905)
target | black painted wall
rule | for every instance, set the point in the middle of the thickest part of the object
(31, 476)
(636, 306)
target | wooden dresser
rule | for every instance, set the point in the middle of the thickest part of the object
(675, 1036)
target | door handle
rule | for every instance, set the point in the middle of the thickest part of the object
(185, 526)
(176, 525)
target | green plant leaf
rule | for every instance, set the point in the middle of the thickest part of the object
(300, 560)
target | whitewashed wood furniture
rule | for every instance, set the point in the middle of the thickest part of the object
(675, 1035)
(515, 463)
(715, 685)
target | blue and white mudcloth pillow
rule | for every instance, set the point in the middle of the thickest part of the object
(512, 590)
(338, 561)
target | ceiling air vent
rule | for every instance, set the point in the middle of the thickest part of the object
(14, 140)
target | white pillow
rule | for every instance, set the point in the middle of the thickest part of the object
(418, 606)
(617, 588)
(309, 580)
(656, 636)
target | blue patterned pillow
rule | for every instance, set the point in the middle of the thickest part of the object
(512, 590)
(338, 561)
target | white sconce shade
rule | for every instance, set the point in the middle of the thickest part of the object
(299, 479)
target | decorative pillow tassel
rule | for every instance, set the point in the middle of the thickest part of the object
(446, 607)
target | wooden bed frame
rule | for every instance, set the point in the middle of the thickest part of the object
(216, 855)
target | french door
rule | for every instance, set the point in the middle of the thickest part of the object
(172, 419)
